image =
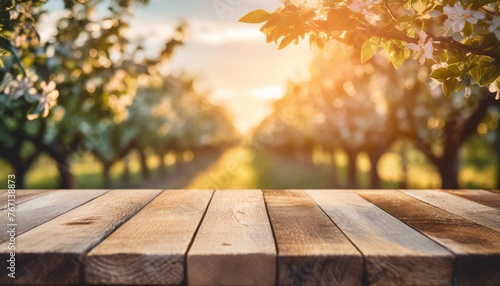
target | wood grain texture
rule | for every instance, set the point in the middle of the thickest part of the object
(51, 253)
(235, 244)
(486, 198)
(395, 254)
(478, 213)
(43, 208)
(21, 196)
(150, 248)
(477, 248)
(311, 249)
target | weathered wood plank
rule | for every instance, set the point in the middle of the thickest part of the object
(21, 196)
(477, 247)
(478, 213)
(235, 244)
(395, 254)
(44, 208)
(150, 248)
(486, 198)
(52, 252)
(311, 249)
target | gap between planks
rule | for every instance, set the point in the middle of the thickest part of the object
(150, 248)
(234, 244)
(477, 248)
(56, 260)
(394, 253)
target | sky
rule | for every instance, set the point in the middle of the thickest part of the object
(229, 58)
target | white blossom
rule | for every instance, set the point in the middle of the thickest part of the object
(363, 6)
(14, 13)
(423, 49)
(493, 28)
(495, 87)
(434, 84)
(467, 91)
(24, 87)
(457, 16)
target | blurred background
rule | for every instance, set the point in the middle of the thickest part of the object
(178, 94)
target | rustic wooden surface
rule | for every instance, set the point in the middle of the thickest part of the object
(479, 196)
(478, 213)
(46, 207)
(22, 196)
(311, 250)
(51, 253)
(149, 248)
(395, 253)
(254, 237)
(235, 244)
(477, 248)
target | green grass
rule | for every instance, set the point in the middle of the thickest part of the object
(247, 168)
(87, 172)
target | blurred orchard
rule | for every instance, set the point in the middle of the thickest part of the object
(85, 91)
(412, 82)
(360, 104)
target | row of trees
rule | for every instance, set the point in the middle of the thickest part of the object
(168, 115)
(460, 37)
(365, 108)
(103, 94)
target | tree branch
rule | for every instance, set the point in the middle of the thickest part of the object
(470, 125)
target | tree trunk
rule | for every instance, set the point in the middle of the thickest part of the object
(448, 169)
(66, 180)
(162, 167)
(375, 182)
(21, 165)
(106, 174)
(404, 167)
(62, 159)
(352, 170)
(144, 164)
(126, 170)
(179, 160)
(335, 171)
(20, 173)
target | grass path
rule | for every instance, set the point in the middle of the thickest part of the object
(245, 167)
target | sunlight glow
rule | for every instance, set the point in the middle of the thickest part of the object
(271, 92)
(211, 33)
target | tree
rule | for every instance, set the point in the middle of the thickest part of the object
(466, 53)
(24, 95)
(96, 70)
(466, 48)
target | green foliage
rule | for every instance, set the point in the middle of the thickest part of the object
(368, 50)
(442, 31)
(88, 75)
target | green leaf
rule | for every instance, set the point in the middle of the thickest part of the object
(445, 73)
(486, 71)
(399, 56)
(489, 75)
(368, 50)
(475, 74)
(257, 16)
(449, 86)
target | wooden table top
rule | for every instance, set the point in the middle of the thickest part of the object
(253, 237)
